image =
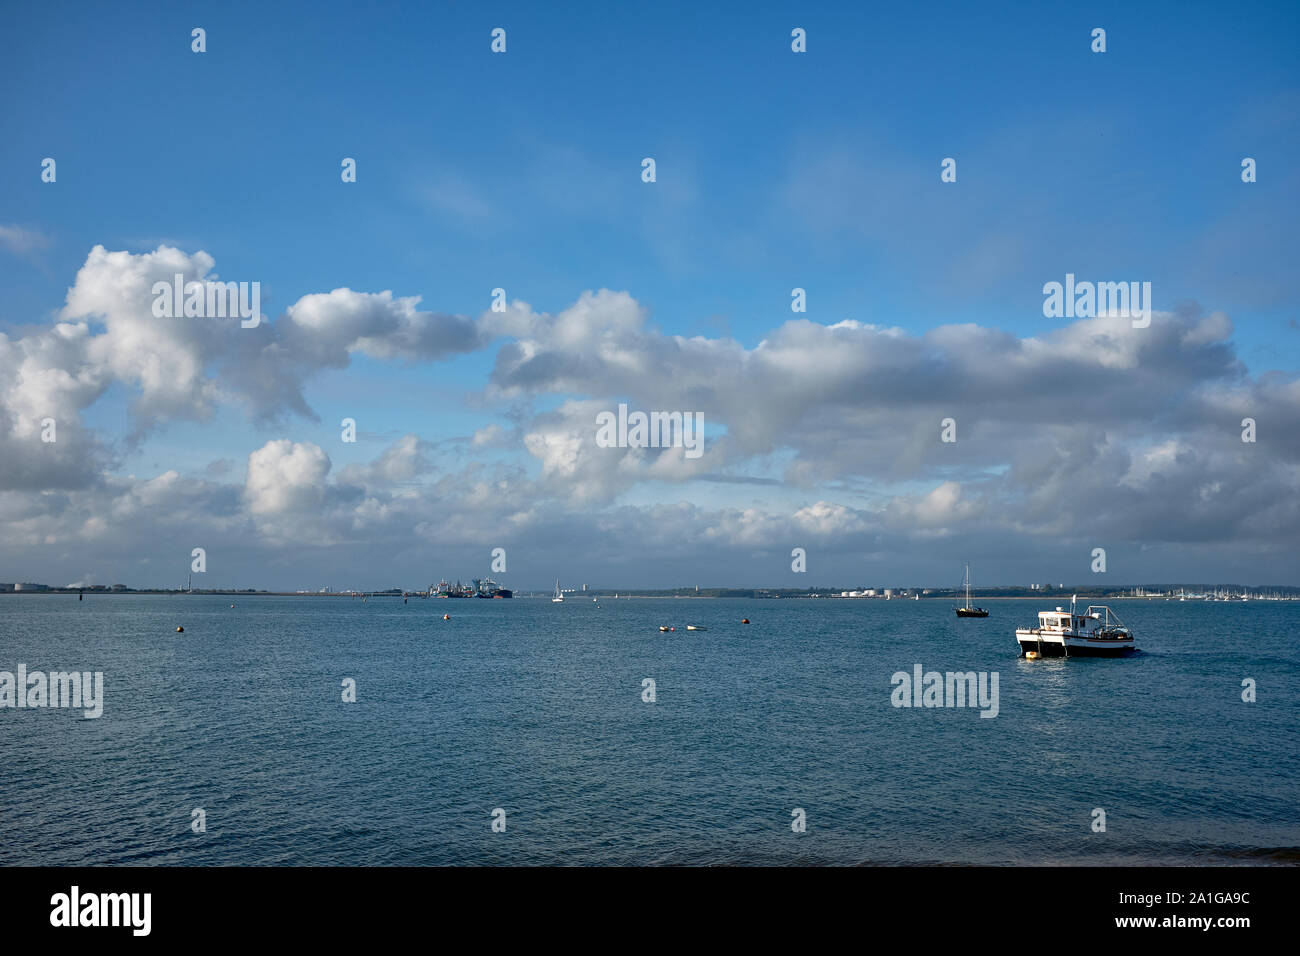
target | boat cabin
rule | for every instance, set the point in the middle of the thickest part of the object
(1062, 620)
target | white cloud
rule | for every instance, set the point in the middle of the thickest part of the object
(324, 329)
(22, 241)
(285, 476)
(1130, 434)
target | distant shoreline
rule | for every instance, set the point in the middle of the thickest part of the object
(1290, 594)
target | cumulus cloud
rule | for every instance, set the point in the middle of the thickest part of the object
(403, 461)
(942, 507)
(285, 476)
(819, 435)
(180, 369)
(324, 329)
(170, 361)
(1047, 425)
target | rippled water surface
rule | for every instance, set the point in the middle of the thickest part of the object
(536, 708)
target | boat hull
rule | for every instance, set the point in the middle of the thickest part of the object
(1056, 645)
(971, 612)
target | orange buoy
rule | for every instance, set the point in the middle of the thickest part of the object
(179, 630)
(744, 620)
(446, 617)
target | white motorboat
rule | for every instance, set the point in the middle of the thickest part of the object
(1097, 632)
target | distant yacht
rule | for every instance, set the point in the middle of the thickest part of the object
(968, 610)
(559, 598)
(1097, 632)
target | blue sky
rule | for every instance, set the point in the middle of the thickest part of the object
(774, 170)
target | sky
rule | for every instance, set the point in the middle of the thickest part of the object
(774, 170)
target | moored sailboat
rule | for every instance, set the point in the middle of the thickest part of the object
(968, 610)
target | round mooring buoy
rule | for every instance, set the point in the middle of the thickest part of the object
(1031, 655)
(744, 620)
(179, 630)
(446, 617)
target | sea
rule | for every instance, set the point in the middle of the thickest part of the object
(523, 732)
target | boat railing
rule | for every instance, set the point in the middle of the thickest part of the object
(1110, 619)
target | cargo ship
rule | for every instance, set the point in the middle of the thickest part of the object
(457, 590)
(487, 588)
